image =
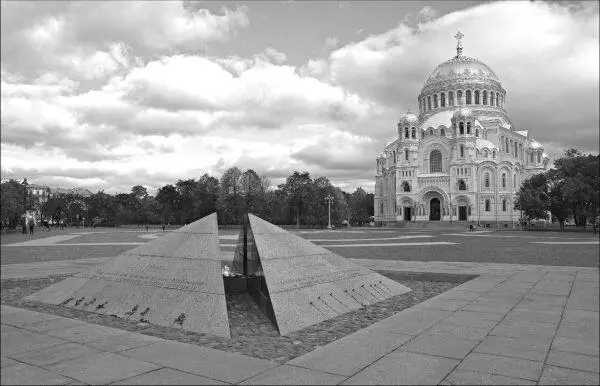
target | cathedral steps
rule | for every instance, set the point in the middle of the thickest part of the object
(429, 225)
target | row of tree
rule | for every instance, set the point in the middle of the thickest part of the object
(300, 200)
(570, 190)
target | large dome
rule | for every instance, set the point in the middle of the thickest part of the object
(461, 82)
(461, 67)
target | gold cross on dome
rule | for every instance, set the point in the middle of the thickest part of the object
(458, 37)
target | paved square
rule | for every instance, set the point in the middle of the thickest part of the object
(530, 317)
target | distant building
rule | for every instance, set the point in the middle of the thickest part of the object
(461, 158)
(75, 191)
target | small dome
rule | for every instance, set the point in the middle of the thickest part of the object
(484, 143)
(380, 155)
(535, 144)
(408, 118)
(462, 112)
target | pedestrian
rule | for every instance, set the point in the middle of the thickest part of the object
(163, 226)
(31, 225)
(146, 227)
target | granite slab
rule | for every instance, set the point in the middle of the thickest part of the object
(173, 281)
(307, 283)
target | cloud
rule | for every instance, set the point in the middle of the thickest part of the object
(94, 39)
(427, 13)
(546, 59)
(144, 102)
(332, 42)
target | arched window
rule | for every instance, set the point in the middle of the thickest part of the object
(468, 127)
(515, 181)
(461, 128)
(516, 149)
(485, 98)
(422, 134)
(442, 132)
(497, 100)
(381, 208)
(504, 180)
(430, 131)
(504, 205)
(406, 132)
(459, 96)
(539, 158)
(435, 161)
(406, 187)
(493, 153)
(414, 133)
(476, 97)
(443, 100)
(477, 132)
(491, 98)
(468, 97)
(487, 180)
(435, 101)
(462, 151)
(428, 103)
(406, 154)
(462, 185)
(450, 98)
(506, 148)
(485, 154)
(531, 157)
(487, 205)
(520, 151)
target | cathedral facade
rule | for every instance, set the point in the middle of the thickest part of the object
(461, 159)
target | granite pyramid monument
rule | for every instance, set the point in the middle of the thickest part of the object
(173, 281)
(298, 283)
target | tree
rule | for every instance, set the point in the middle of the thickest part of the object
(13, 202)
(297, 191)
(102, 209)
(361, 206)
(558, 203)
(139, 194)
(578, 176)
(254, 190)
(532, 197)
(208, 192)
(187, 190)
(168, 202)
(229, 195)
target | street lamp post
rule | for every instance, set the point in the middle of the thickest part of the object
(329, 200)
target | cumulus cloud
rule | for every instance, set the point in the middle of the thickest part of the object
(546, 59)
(95, 39)
(427, 13)
(142, 102)
(332, 42)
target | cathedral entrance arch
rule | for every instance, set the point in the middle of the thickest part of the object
(407, 213)
(462, 213)
(434, 209)
(407, 207)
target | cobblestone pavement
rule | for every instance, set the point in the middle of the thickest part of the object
(514, 324)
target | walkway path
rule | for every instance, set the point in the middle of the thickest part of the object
(514, 324)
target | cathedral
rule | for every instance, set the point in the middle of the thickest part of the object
(461, 159)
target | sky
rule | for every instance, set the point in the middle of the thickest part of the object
(111, 94)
